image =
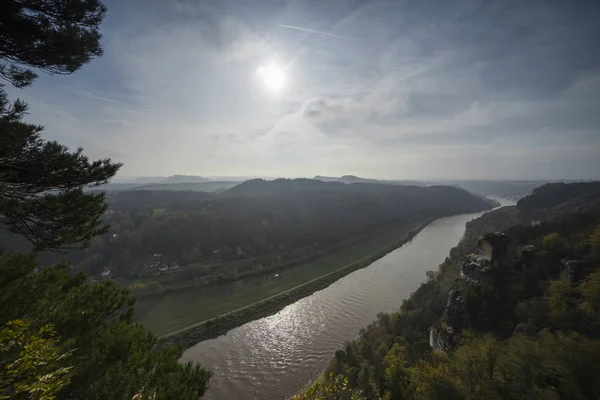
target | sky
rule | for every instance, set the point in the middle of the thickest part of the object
(406, 89)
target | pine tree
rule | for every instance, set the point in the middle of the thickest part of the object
(41, 185)
(42, 182)
(54, 36)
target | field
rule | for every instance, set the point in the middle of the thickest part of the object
(175, 311)
(158, 211)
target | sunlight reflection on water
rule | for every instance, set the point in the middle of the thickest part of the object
(273, 357)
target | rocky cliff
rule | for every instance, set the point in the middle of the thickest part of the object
(476, 270)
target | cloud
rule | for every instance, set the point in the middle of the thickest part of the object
(432, 89)
(95, 96)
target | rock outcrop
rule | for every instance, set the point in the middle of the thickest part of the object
(492, 246)
(527, 256)
(456, 313)
(572, 269)
(436, 340)
(476, 270)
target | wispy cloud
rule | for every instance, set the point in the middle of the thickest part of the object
(97, 97)
(298, 28)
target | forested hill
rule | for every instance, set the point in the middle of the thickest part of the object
(265, 219)
(546, 203)
(268, 220)
(509, 315)
(562, 198)
(437, 199)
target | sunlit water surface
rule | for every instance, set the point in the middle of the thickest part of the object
(273, 357)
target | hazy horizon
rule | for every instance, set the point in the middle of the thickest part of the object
(423, 90)
(157, 179)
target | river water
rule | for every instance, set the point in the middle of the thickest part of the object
(274, 357)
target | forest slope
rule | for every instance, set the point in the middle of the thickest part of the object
(515, 314)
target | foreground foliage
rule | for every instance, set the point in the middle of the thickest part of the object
(83, 338)
(336, 388)
(33, 364)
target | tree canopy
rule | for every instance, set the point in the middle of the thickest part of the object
(53, 36)
(41, 185)
(41, 182)
(84, 335)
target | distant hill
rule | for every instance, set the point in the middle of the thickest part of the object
(392, 199)
(514, 189)
(347, 179)
(547, 202)
(184, 179)
(262, 188)
(507, 189)
(562, 198)
(205, 186)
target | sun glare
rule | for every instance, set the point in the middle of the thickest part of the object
(272, 76)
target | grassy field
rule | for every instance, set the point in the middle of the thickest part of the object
(175, 311)
(158, 211)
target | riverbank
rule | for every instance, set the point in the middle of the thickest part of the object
(220, 325)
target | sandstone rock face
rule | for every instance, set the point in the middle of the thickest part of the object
(492, 246)
(571, 269)
(476, 270)
(437, 341)
(456, 313)
(484, 249)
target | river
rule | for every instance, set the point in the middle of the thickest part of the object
(273, 357)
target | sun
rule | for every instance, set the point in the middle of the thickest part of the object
(272, 76)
